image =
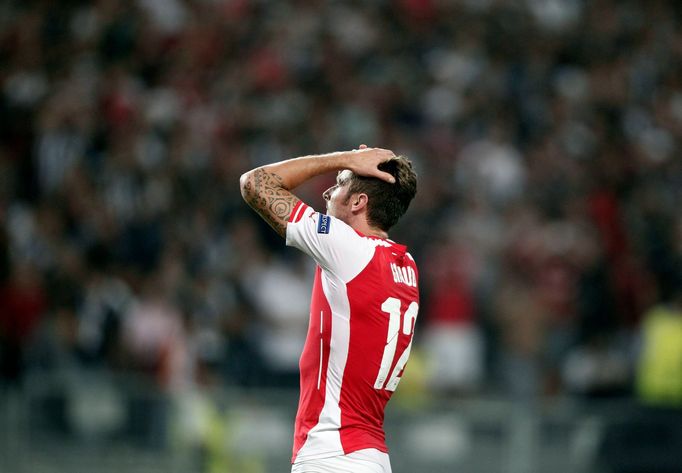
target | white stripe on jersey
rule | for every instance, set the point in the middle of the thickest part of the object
(319, 371)
(325, 433)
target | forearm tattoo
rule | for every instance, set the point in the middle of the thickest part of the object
(264, 192)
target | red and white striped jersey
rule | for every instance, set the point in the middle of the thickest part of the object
(364, 305)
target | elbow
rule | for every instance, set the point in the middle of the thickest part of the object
(246, 184)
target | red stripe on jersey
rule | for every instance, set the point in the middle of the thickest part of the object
(297, 212)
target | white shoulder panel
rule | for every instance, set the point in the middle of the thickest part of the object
(334, 245)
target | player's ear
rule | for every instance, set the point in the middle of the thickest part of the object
(358, 202)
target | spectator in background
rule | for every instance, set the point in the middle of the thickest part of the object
(22, 307)
(4, 250)
(155, 346)
(154, 339)
(124, 125)
(280, 293)
(596, 368)
(105, 302)
(659, 370)
(521, 323)
(452, 337)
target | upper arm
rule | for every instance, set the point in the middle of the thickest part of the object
(334, 245)
(263, 191)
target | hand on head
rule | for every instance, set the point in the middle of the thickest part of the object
(365, 162)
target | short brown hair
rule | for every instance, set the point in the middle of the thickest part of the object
(387, 202)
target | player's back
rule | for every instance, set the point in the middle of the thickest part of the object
(384, 301)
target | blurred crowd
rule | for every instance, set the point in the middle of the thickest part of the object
(547, 226)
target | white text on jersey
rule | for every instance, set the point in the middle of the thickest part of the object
(404, 275)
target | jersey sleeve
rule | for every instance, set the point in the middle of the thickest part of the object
(332, 243)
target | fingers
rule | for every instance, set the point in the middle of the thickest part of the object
(373, 157)
(378, 150)
(384, 154)
(384, 176)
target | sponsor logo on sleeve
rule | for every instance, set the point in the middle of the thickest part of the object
(323, 223)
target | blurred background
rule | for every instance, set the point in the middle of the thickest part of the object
(150, 322)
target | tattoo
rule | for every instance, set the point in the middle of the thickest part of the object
(264, 192)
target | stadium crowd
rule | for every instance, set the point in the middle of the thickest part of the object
(547, 223)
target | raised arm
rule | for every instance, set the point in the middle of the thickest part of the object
(267, 189)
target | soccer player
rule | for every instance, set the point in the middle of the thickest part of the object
(364, 302)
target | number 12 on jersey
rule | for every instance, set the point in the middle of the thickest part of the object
(392, 307)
